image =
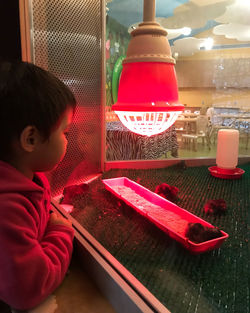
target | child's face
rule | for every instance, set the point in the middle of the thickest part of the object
(52, 151)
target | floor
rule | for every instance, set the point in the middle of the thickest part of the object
(76, 294)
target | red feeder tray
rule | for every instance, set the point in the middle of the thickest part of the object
(164, 214)
(235, 173)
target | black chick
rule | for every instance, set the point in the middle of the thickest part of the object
(216, 207)
(198, 233)
(166, 191)
(69, 192)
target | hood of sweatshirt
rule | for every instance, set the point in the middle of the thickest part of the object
(12, 180)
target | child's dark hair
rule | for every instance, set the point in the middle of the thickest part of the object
(29, 95)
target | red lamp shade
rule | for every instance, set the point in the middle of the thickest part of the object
(148, 94)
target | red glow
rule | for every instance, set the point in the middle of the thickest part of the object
(148, 97)
(146, 83)
(147, 123)
(163, 213)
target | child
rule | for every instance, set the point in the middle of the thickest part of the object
(36, 110)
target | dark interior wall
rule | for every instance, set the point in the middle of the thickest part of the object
(10, 46)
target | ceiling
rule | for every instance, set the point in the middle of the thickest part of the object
(225, 22)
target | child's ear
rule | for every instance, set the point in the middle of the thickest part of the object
(28, 138)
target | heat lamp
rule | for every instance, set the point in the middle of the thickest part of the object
(147, 102)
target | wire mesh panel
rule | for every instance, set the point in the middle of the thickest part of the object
(66, 40)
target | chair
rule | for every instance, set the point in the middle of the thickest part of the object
(202, 131)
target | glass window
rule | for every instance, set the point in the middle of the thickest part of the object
(210, 41)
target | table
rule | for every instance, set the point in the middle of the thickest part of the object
(122, 144)
(189, 115)
(189, 124)
(230, 121)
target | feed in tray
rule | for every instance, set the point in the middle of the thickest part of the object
(169, 217)
(166, 218)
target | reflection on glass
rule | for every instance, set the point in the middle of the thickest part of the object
(212, 66)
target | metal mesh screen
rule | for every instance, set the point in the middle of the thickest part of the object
(212, 282)
(66, 40)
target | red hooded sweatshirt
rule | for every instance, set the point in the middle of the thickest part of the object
(34, 255)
